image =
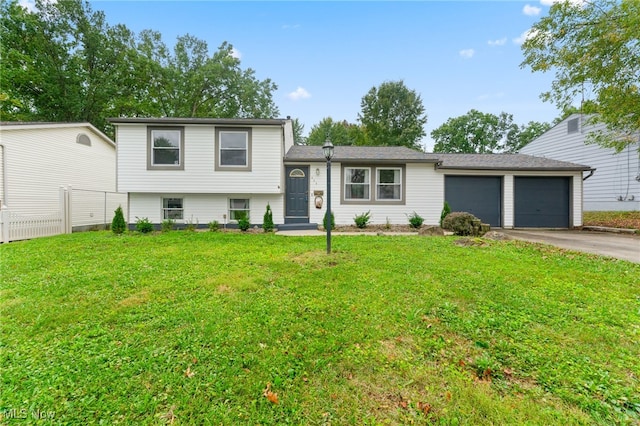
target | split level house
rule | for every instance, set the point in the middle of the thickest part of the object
(615, 185)
(198, 170)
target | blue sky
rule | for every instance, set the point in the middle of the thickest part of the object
(325, 56)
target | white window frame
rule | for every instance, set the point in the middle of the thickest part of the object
(167, 209)
(220, 132)
(247, 209)
(366, 184)
(395, 184)
(151, 148)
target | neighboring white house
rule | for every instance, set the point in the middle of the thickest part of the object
(197, 170)
(615, 185)
(36, 159)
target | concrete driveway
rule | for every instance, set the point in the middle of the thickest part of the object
(619, 246)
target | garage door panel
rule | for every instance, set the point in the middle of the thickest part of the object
(542, 202)
(478, 195)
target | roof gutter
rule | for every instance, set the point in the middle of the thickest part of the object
(591, 172)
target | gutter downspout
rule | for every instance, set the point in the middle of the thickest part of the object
(591, 172)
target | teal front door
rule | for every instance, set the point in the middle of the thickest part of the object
(297, 194)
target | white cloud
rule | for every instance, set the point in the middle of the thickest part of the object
(236, 53)
(500, 42)
(467, 53)
(30, 5)
(531, 10)
(299, 93)
(525, 36)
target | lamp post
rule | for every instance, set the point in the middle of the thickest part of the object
(327, 150)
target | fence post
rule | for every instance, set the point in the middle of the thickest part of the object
(63, 210)
(5, 222)
(69, 202)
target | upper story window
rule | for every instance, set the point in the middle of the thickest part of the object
(357, 183)
(165, 148)
(233, 149)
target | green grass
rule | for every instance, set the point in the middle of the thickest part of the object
(620, 219)
(190, 328)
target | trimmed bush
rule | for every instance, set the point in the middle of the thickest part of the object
(362, 220)
(325, 222)
(463, 223)
(143, 225)
(214, 225)
(118, 225)
(415, 220)
(244, 223)
(267, 220)
(445, 211)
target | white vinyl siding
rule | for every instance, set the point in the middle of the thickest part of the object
(204, 208)
(199, 175)
(41, 158)
(613, 184)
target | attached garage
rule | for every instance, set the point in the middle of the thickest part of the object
(478, 195)
(542, 202)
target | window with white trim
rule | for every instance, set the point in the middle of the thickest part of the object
(165, 148)
(357, 183)
(233, 149)
(389, 184)
(238, 208)
(172, 208)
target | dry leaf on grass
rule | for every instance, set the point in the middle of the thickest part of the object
(272, 397)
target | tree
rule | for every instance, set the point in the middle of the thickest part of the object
(338, 132)
(526, 134)
(475, 132)
(62, 62)
(593, 48)
(298, 129)
(393, 115)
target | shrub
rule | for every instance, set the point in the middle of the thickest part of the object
(362, 220)
(214, 225)
(267, 220)
(118, 225)
(325, 222)
(463, 223)
(143, 225)
(190, 225)
(445, 211)
(244, 223)
(415, 220)
(168, 225)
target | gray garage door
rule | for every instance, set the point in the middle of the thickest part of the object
(541, 202)
(478, 195)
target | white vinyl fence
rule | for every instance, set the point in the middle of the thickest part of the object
(78, 210)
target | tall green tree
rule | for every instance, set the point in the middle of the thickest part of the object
(526, 134)
(475, 132)
(298, 130)
(593, 49)
(63, 62)
(338, 132)
(393, 115)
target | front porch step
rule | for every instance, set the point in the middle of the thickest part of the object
(297, 226)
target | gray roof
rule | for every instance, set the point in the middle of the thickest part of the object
(389, 154)
(504, 162)
(360, 154)
(206, 121)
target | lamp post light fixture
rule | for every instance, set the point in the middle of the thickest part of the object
(327, 150)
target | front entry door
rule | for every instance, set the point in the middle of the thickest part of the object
(297, 194)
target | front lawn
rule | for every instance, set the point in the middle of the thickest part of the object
(215, 328)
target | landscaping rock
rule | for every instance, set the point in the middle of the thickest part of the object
(498, 236)
(431, 230)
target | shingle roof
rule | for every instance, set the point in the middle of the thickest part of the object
(389, 154)
(503, 162)
(354, 154)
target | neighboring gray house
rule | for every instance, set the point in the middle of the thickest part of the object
(200, 170)
(615, 185)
